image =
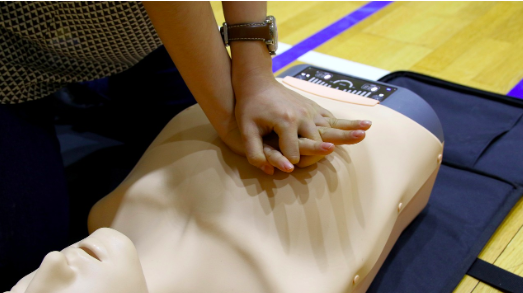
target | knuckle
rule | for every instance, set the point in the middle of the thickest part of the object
(305, 111)
(347, 135)
(270, 154)
(289, 117)
(322, 122)
(254, 159)
(333, 122)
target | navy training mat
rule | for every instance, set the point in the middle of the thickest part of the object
(480, 180)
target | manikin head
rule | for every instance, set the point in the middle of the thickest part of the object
(104, 262)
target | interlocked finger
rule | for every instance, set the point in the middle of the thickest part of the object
(310, 147)
(349, 124)
(288, 142)
(339, 136)
(307, 161)
(311, 150)
(277, 159)
(254, 149)
(309, 130)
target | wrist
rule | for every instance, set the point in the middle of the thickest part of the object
(250, 55)
(251, 66)
(252, 83)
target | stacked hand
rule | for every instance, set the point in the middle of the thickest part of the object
(278, 128)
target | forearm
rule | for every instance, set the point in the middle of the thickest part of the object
(190, 35)
(251, 61)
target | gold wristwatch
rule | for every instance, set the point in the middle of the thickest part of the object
(258, 31)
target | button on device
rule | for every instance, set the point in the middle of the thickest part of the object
(323, 75)
(370, 87)
(302, 76)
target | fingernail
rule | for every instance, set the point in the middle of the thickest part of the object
(365, 123)
(327, 146)
(288, 166)
(266, 169)
(358, 133)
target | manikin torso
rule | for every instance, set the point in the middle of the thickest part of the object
(203, 220)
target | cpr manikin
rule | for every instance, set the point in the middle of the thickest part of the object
(203, 220)
(104, 262)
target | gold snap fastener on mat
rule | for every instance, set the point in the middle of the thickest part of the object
(356, 278)
(400, 206)
(440, 157)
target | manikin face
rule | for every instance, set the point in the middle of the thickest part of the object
(106, 261)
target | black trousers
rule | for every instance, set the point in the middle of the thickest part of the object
(33, 194)
(44, 207)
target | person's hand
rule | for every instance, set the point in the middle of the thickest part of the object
(311, 151)
(264, 106)
(275, 159)
(338, 132)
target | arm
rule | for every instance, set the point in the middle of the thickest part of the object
(190, 35)
(263, 105)
(261, 108)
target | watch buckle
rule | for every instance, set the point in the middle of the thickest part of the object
(225, 33)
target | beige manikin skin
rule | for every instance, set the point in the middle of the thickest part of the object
(104, 262)
(204, 220)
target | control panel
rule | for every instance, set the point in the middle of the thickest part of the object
(345, 83)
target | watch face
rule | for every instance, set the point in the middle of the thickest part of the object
(273, 43)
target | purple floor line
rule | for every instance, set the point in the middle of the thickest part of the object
(326, 34)
(517, 91)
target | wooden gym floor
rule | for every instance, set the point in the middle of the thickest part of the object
(478, 44)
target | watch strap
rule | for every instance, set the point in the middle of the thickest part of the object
(249, 32)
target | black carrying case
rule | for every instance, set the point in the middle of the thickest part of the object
(480, 180)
